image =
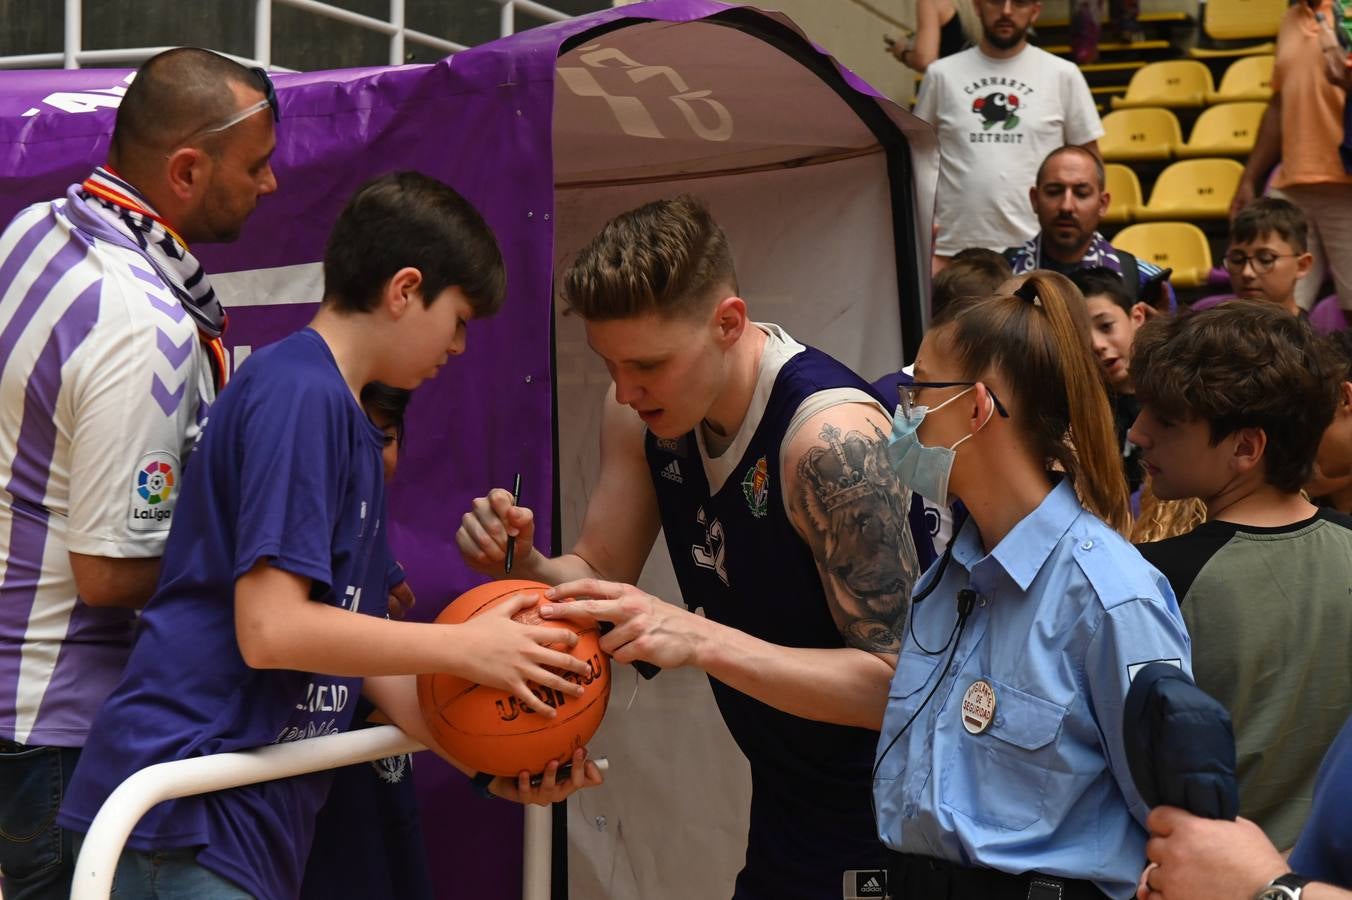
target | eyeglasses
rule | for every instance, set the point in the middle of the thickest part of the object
(907, 394)
(1263, 260)
(269, 101)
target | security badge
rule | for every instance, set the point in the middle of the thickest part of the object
(978, 706)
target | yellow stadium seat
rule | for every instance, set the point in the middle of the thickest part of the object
(1242, 20)
(1267, 48)
(1225, 130)
(1172, 83)
(1170, 245)
(1156, 17)
(1132, 135)
(1248, 79)
(1193, 189)
(1124, 190)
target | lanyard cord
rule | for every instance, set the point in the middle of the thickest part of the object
(946, 643)
(929, 589)
(958, 629)
(966, 601)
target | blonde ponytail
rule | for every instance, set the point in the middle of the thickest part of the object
(1036, 335)
(1090, 448)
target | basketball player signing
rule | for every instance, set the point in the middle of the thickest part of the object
(489, 729)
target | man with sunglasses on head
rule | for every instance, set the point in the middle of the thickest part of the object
(1000, 107)
(110, 355)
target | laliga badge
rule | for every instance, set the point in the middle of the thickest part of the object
(978, 706)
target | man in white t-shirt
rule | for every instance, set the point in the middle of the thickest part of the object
(1000, 107)
(110, 354)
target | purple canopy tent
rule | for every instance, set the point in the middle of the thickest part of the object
(825, 189)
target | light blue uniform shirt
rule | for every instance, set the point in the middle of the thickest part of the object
(1067, 610)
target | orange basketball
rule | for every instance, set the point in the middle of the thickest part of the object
(489, 729)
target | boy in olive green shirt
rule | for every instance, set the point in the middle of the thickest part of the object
(1234, 402)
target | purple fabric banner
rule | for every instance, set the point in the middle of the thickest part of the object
(482, 121)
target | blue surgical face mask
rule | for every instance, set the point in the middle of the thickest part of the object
(924, 470)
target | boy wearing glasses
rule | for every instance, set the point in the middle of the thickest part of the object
(1268, 253)
(1234, 403)
(110, 357)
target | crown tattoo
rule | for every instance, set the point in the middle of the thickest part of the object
(839, 475)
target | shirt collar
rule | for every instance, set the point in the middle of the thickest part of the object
(1098, 253)
(1025, 550)
(105, 183)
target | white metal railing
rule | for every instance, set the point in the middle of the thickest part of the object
(393, 27)
(132, 55)
(131, 800)
(72, 56)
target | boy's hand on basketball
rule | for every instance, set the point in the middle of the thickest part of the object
(511, 656)
(551, 789)
(646, 627)
(483, 532)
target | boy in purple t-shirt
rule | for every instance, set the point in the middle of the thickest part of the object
(278, 540)
(386, 860)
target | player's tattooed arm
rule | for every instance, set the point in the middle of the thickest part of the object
(847, 504)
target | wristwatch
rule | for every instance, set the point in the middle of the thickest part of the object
(1284, 887)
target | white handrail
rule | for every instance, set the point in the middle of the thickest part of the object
(133, 798)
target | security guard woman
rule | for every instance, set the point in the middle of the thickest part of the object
(1001, 771)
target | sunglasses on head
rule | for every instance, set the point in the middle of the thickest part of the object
(269, 101)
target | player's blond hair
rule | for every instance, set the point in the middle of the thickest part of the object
(667, 257)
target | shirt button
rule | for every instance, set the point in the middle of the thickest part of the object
(909, 811)
(1087, 545)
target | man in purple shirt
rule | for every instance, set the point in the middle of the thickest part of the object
(110, 355)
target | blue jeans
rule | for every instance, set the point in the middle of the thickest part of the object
(167, 875)
(36, 856)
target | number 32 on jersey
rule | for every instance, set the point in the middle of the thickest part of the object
(710, 555)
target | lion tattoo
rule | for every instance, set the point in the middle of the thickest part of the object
(859, 510)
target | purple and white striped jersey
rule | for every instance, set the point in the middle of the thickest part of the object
(103, 388)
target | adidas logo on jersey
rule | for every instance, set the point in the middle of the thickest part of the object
(672, 472)
(868, 883)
